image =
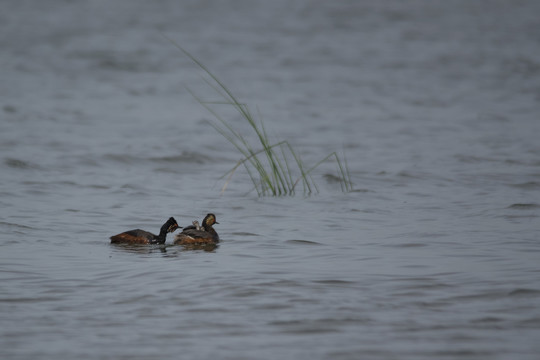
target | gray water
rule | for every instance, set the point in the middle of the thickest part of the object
(436, 253)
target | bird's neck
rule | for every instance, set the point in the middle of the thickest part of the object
(160, 239)
(210, 229)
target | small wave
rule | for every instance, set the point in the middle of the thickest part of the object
(333, 282)
(9, 109)
(361, 190)
(372, 211)
(522, 66)
(302, 242)
(117, 61)
(407, 245)
(333, 179)
(244, 233)
(20, 300)
(487, 319)
(321, 325)
(524, 206)
(472, 159)
(531, 185)
(184, 157)
(408, 174)
(14, 225)
(121, 158)
(19, 164)
(98, 186)
(524, 292)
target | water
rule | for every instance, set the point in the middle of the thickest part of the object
(434, 255)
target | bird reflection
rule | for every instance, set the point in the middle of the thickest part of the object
(166, 250)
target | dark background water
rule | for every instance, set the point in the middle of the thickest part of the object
(434, 255)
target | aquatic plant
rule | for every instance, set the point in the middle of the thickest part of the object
(275, 168)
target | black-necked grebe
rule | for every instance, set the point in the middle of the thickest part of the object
(205, 235)
(139, 236)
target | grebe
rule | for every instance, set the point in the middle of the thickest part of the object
(206, 235)
(139, 236)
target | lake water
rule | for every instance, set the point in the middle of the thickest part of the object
(434, 255)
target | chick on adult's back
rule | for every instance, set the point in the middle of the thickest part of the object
(206, 235)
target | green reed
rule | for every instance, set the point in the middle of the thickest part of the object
(275, 169)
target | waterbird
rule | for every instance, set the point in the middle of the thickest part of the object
(139, 236)
(204, 235)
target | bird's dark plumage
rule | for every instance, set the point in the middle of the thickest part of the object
(139, 236)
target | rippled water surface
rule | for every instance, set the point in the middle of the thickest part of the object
(435, 254)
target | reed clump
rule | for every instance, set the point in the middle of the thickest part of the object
(275, 168)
